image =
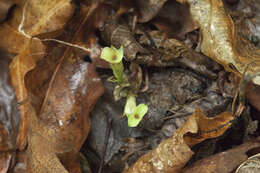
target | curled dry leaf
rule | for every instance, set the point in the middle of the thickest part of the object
(224, 162)
(221, 41)
(5, 160)
(30, 50)
(172, 154)
(20, 65)
(209, 127)
(65, 89)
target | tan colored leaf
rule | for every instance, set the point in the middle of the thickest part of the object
(43, 17)
(35, 17)
(63, 90)
(209, 127)
(172, 154)
(220, 39)
(20, 65)
(5, 160)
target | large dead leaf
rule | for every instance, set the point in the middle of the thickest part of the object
(220, 40)
(20, 65)
(32, 18)
(63, 114)
(224, 162)
(172, 154)
(44, 17)
(63, 90)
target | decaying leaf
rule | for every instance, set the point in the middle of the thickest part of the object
(209, 127)
(224, 162)
(172, 154)
(220, 40)
(44, 17)
(62, 120)
(5, 160)
(65, 89)
(30, 19)
(20, 65)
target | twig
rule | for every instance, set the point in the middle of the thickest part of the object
(108, 129)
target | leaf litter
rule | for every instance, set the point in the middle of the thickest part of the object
(55, 75)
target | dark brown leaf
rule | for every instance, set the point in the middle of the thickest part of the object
(5, 5)
(224, 162)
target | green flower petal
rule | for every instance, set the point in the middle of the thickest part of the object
(141, 110)
(130, 105)
(112, 55)
(135, 118)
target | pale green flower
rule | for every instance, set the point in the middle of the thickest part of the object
(112, 55)
(138, 114)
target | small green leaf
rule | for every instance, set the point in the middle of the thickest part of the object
(141, 110)
(112, 55)
(135, 118)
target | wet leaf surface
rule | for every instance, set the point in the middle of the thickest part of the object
(223, 162)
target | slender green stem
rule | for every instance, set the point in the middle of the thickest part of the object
(118, 71)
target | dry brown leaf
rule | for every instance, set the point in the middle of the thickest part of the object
(31, 16)
(220, 40)
(5, 160)
(63, 90)
(20, 163)
(63, 119)
(224, 162)
(20, 65)
(30, 50)
(172, 154)
(209, 127)
(44, 17)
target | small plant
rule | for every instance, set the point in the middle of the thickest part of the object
(114, 57)
(134, 113)
(123, 89)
